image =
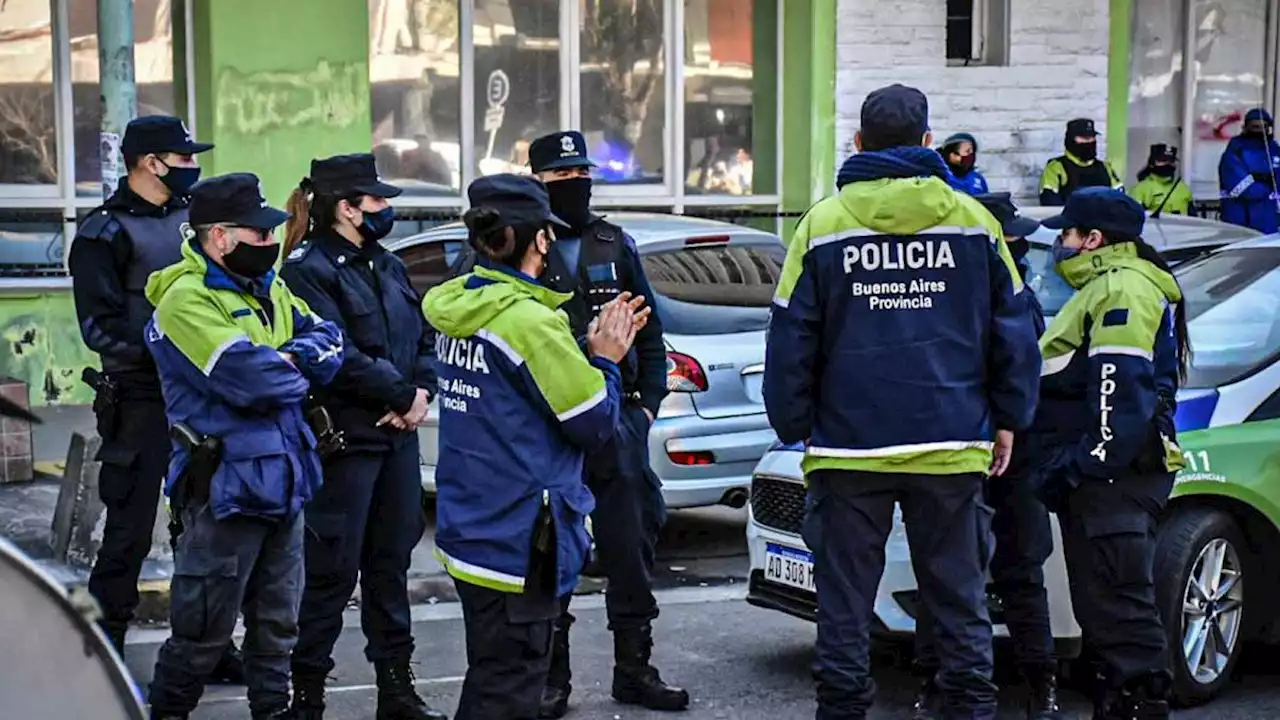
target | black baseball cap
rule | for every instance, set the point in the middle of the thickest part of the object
(566, 149)
(519, 199)
(895, 115)
(234, 199)
(1100, 208)
(1081, 127)
(354, 174)
(1012, 224)
(1160, 152)
(159, 134)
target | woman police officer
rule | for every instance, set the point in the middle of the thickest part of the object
(520, 406)
(367, 517)
(1103, 440)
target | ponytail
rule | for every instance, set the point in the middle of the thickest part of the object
(299, 206)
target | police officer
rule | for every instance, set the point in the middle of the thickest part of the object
(519, 406)
(1160, 189)
(134, 233)
(1249, 174)
(899, 345)
(367, 518)
(1078, 167)
(1103, 441)
(237, 354)
(961, 153)
(1023, 537)
(595, 261)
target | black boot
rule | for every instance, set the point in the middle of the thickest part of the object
(230, 667)
(927, 701)
(555, 696)
(397, 698)
(635, 681)
(308, 695)
(1142, 699)
(1043, 703)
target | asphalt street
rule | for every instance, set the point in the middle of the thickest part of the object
(736, 660)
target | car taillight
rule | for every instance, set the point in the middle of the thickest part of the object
(700, 457)
(707, 240)
(684, 374)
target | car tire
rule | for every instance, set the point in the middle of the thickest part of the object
(1188, 541)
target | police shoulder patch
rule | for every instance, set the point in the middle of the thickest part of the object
(299, 252)
(1115, 317)
(100, 225)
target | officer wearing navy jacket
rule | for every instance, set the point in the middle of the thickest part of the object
(366, 520)
(595, 261)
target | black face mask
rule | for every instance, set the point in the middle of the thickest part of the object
(1083, 151)
(180, 179)
(571, 200)
(1258, 134)
(252, 261)
(1164, 171)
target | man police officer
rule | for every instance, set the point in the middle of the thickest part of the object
(237, 355)
(1078, 167)
(899, 345)
(595, 261)
(131, 235)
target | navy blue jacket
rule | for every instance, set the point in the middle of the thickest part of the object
(389, 349)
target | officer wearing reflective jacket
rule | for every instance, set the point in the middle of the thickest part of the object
(1079, 167)
(237, 355)
(1023, 538)
(366, 520)
(1249, 174)
(899, 341)
(1103, 441)
(131, 235)
(594, 261)
(520, 406)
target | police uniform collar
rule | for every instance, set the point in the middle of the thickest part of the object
(1078, 161)
(1082, 268)
(124, 198)
(343, 250)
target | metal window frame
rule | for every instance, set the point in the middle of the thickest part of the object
(21, 195)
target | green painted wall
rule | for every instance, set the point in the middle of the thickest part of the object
(276, 88)
(40, 344)
(1119, 47)
(808, 104)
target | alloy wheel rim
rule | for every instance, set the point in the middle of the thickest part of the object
(1212, 609)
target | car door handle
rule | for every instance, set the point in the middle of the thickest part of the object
(753, 369)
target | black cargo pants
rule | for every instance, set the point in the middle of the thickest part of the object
(849, 518)
(1109, 537)
(135, 459)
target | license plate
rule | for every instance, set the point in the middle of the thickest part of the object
(789, 566)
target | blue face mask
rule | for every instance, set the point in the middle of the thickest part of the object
(377, 225)
(1062, 253)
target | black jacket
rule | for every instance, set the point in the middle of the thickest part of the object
(389, 347)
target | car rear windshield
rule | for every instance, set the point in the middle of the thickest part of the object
(1232, 299)
(714, 289)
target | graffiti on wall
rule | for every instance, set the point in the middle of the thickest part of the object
(332, 94)
(40, 345)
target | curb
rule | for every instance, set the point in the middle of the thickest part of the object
(153, 595)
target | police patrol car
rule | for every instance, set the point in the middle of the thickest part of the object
(1219, 534)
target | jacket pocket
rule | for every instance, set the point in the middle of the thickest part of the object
(205, 595)
(1121, 548)
(255, 473)
(361, 321)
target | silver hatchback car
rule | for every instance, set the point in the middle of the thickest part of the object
(713, 283)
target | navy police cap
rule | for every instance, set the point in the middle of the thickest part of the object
(159, 134)
(567, 149)
(519, 199)
(1012, 224)
(233, 199)
(354, 174)
(1097, 208)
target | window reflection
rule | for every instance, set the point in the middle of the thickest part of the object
(28, 139)
(31, 243)
(729, 81)
(1155, 85)
(153, 72)
(517, 77)
(414, 70)
(623, 98)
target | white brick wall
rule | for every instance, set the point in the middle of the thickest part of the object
(1057, 71)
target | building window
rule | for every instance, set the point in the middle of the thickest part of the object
(415, 81)
(28, 121)
(623, 74)
(977, 32)
(517, 80)
(153, 73)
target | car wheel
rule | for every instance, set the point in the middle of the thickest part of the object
(1200, 567)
